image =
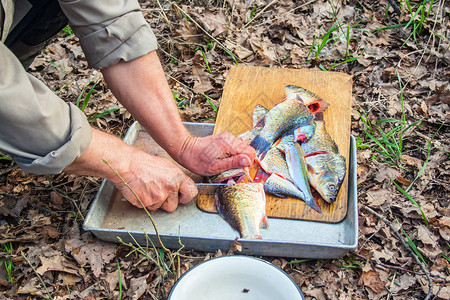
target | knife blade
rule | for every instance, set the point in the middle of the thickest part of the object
(208, 188)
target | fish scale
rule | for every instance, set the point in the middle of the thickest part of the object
(243, 206)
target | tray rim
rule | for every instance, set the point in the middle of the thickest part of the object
(350, 217)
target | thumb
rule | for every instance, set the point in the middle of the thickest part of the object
(234, 162)
(188, 190)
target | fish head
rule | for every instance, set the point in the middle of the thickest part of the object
(327, 184)
(315, 103)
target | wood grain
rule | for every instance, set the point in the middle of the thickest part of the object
(247, 86)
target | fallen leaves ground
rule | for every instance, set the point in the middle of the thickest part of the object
(398, 81)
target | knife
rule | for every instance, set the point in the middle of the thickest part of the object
(208, 188)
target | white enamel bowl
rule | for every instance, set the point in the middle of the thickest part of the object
(235, 277)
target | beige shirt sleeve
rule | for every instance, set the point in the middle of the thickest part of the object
(109, 31)
(40, 131)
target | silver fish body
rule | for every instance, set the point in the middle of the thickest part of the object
(243, 206)
(281, 187)
(326, 166)
(299, 173)
(282, 118)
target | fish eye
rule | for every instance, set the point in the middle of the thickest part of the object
(332, 187)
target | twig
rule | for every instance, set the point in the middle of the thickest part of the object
(376, 263)
(369, 238)
(260, 13)
(440, 288)
(140, 202)
(202, 29)
(39, 276)
(164, 14)
(64, 195)
(427, 274)
(395, 7)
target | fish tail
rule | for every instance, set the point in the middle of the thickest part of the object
(261, 146)
(264, 222)
(313, 204)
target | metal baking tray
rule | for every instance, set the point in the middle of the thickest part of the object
(110, 218)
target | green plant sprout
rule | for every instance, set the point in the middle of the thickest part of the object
(37, 274)
(120, 281)
(106, 112)
(425, 219)
(181, 102)
(204, 58)
(210, 103)
(349, 263)
(66, 31)
(5, 157)
(390, 144)
(418, 18)
(8, 248)
(411, 244)
(87, 97)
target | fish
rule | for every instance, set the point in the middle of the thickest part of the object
(275, 162)
(283, 117)
(282, 187)
(243, 206)
(315, 103)
(258, 114)
(326, 166)
(233, 175)
(299, 173)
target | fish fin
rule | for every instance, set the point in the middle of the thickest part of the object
(299, 99)
(264, 223)
(261, 146)
(315, 206)
(241, 179)
(260, 176)
(311, 170)
(319, 116)
(277, 142)
(318, 106)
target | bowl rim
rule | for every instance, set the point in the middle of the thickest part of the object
(236, 256)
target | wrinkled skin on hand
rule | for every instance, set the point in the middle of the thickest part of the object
(158, 182)
(216, 153)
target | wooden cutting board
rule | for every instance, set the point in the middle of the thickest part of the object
(247, 86)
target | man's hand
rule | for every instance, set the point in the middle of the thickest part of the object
(214, 154)
(158, 182)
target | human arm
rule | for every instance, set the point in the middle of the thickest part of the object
(116, 39)
(157, 181)
(141, 86)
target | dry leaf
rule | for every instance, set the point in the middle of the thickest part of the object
(20, 204)
(138, 286)
(371, 279)
(86, 250)
(378, 197)
(202, 81)
(56, 263)
(412, 161)
(404, 282)
(235, 246)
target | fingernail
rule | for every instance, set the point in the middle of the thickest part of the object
(245, 162)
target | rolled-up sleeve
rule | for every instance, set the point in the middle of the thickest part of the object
(109, 31)
(40, 131)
